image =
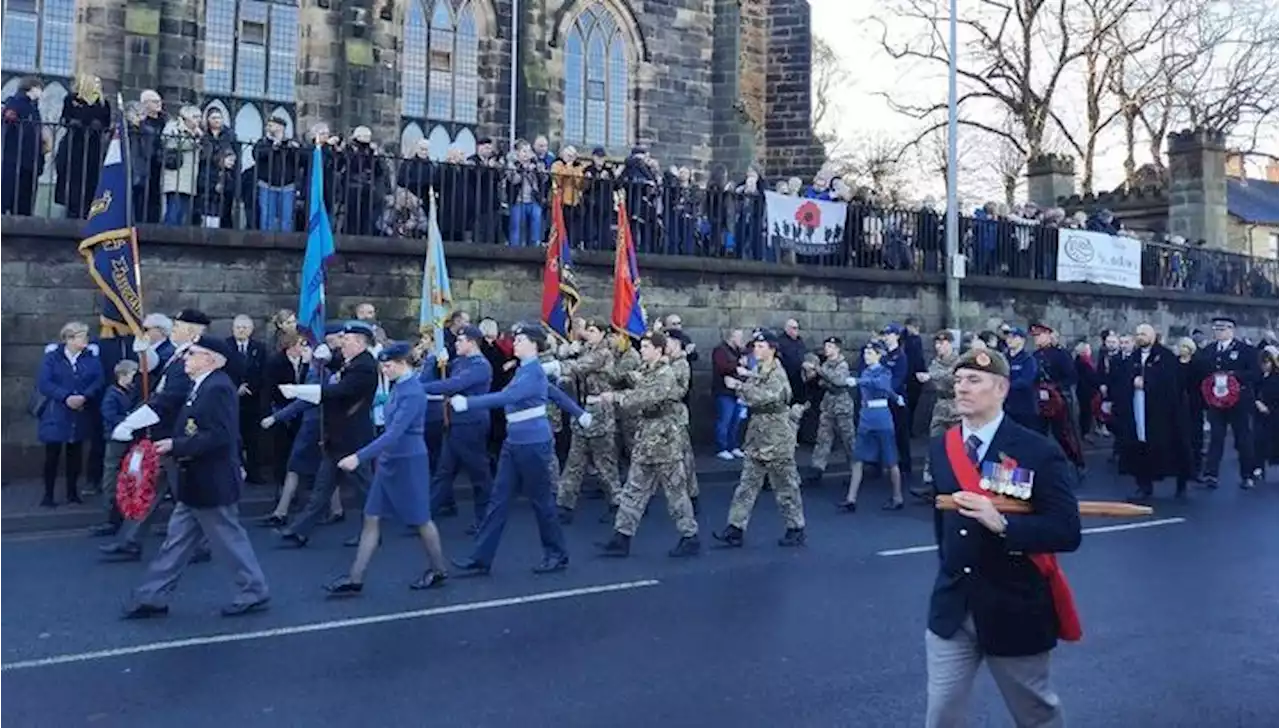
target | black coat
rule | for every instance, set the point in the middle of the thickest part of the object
(279, 370)
(79, 157)
(1266, 425)
(990, 576)
(1239, 359)
(206, 445)
(1167, 415)
(347, 401)
(250, 369)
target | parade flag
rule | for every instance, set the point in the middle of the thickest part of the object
(560, 296)
(437, 295)
(110, 244)
(311, 309)
(628, 313)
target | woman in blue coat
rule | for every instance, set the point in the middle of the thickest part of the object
(70, 379)
(400, 487)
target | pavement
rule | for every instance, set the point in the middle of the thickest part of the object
(1179, 616)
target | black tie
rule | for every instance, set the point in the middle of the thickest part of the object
(971, 445)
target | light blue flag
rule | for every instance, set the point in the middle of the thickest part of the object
(437, 295)
(311, 311)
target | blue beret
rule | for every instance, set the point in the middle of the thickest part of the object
(1017, 331)
(358, 327)
(395, 351)
(472, 332)
(878, 346)
(598, 152)
(334, 327)
(532, 332)
(892, 329)
(216, 345)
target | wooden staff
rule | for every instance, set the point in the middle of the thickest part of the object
(1111, 509)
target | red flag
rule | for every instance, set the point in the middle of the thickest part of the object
(628, 313)
(560, 297)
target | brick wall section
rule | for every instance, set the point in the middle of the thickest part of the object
(101, 42)
(1198, 186)
(732, 138)
(43, 284)
(320, 63)
(790, 147)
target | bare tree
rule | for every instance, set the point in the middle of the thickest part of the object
(827, 75)
(1008, 162)
(876, 160)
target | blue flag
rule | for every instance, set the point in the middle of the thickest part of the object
(311, 311)
(437, 294)
(110, 244)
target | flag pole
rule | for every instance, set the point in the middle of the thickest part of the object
(123, 130)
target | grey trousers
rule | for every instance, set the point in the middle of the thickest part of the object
(187, 528)
(1023, 681)
(328, 477)
(166, 482)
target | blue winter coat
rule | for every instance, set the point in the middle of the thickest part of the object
(59, 380)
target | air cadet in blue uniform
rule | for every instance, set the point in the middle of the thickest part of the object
(895, 360)
(527, 455)
(168, 395)
(470, 374)
(432, 371)
(205, 445)
(875, 439)
(1220, 360)
(347, 425)
(1021, 404)
(398, 489)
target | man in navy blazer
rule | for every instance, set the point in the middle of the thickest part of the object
(996, 596)
(248, 374)
(205, 444)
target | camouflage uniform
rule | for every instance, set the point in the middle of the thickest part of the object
(942, 378)
(596, 444)
(835, 413)
(680, 365)
(656, 461)
(625, 366)
(770, 448)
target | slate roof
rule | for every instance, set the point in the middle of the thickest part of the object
(1254, 201)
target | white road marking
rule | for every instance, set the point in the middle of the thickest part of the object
(1095, 529)
(328, 626)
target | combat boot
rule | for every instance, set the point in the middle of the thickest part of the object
(565, 515)
(687, 546)
(731, 536)
(793, 537)
(619, 546)
(813, 477)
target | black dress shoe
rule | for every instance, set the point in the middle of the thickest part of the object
(239, 610)
(847, 506)
(104, 529)
(74, 499)
(296, 540)
(446, 511)
(552, 565)
(891, 505)
(470, 567)
(48, 502)
(430, 579)
(144, 611)
(202, 556)
(343, 586)
(274, 521)
(1139, 495)
(619, 546)
(121, 551)
(333, 518)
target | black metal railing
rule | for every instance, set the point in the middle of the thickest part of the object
(199, 178)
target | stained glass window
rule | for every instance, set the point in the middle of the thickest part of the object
(440, 68)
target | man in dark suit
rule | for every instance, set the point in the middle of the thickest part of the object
(999, 595)
(248, 374)
(346, 400)
(205, 445)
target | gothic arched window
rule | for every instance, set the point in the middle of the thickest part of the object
(39, 37)
(597, 80)
(440, 62)
(251, 49)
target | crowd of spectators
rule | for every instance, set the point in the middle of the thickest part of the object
(192, 170)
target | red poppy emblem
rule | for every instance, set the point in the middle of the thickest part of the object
(809, 215)
(1007, 462)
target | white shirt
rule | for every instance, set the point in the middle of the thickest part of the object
(243, 346)
(986, 433)
(1224, 345)
(195, 384)
(73, 358)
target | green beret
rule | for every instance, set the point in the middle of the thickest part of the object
(984, 360)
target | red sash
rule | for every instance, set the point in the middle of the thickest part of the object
(968, 475)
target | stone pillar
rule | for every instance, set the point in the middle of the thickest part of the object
(367, 69)
(101, 44)
(790, 145)
(319, 61)
(140, 42)
(1050, 178)
(1198, 186)
(177, 76)
(732, 135)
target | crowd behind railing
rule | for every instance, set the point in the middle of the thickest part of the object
(191, 170)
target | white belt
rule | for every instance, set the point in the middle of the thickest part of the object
(435, 397)
(876, 403)
(527, 414)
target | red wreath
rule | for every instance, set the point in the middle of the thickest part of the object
(1099, 413)
(1225, 401)
(1054, 405)
(136, 491)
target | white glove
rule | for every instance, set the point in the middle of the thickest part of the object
(690, 347)
(306, 392)
(142, 417)
(551, 369)
(122, 433)
(140, 345)
(901, 402)
(458, 402)
(851, 382)
(322, 353)
(585, 419)
(289, 391)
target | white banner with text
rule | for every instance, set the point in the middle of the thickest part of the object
(1089, 257)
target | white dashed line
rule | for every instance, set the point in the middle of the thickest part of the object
(1095, 529)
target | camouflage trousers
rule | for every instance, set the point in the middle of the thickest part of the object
(628, 425)
(942, 418)
(583, 451)
(830, 426)
(690, 466)
(786, 490)
(643, 481)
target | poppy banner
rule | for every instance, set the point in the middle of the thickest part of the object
(809, 227)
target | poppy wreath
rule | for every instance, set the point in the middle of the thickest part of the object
(136, 483)
(1100, 413)
(1052, 406)
(1220, 400)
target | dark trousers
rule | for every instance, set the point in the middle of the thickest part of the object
(18, 197)
(282, 445)
(75, 461)
(902, 436)
(328, 478)
(1237, 418)
(113, 453)
(435, 445)
(464, 449)
(1196, 438)
(527, 468)
(251, 437)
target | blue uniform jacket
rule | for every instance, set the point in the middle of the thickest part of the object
(1023, 376)
(894, 362)
(404, 435)
(468, 376)
(57, 380)
(169, 393)
(990, 576)
(435, 401)
(206, 444)
(874, 383)
(528, 388)
(117, 403)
